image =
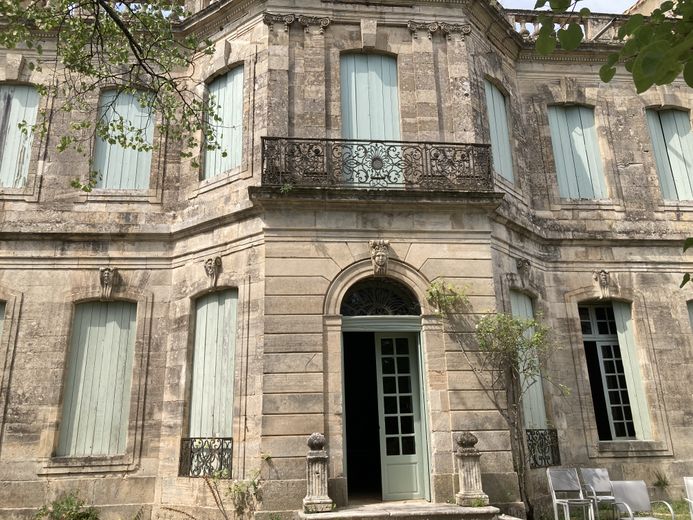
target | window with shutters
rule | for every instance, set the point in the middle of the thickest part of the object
(672, 144)
(613, 367)
(18, 111)
(226, 94)
(207, 450)
(501, 151)
(576, 152)
(96, 399)
(118, 167)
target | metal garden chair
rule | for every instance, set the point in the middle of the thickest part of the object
(566, 492)
(632, 497)
(597, 486)
(688, 484)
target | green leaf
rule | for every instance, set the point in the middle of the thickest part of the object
(546, 43)
(606, 73)
(633, 23)
(570, 37)
(540, 3)
(585, 12)
(685, 280)
(560, 5)
(688, 72)
(612, 59)
(688, 243)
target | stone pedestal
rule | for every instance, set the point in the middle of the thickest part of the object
(468, 457)
(316, 499)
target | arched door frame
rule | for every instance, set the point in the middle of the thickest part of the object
(427, 325)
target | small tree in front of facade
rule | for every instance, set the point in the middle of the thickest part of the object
(513, 357)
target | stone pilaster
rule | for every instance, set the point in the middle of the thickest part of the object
(459, 83)
(316, 500)
(313, 89)
(278, 73)
(424, 80)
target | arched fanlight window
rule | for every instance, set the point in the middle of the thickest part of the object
(380, 297)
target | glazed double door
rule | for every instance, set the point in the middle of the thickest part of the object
(399, 411)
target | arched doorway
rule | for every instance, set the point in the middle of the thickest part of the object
(386, 448)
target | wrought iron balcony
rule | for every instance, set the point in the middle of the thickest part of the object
(542, 447)
(353, 163)
(206, 457)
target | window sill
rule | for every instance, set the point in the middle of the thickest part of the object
(27, 193)
(111, 195)
(220, 180)
(632, 448)
(98, 464)
(582, 204)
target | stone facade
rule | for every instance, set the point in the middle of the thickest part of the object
(293, 254)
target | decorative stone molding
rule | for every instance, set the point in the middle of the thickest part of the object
(369, 33)
(456, 31)
(212, 269)
(107, 280)
(452, 31)
(380, 254)
(416, 27)
(316, 500)
(523, 267)
(314, 21)
(603, 279)
(272, 19)
(468, 456)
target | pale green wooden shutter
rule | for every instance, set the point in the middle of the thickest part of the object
(118, 167)
(672, 143)
(690, 313)
(500, 136)
(631, 368)
(370, 101)
(227, 92)
(533, 404)
(2, 317)
(211, 404)
(576, 151)
(96, 402)
(18, 104)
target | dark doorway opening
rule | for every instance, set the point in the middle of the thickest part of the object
(361, 410)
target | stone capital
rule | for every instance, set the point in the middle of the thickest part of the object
(271, 20)
(314, 24)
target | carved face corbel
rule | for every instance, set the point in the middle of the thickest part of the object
(212, 269)
(603, 279)
(107, 280)
(380, 254)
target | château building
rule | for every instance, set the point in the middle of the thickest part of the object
(177, 322)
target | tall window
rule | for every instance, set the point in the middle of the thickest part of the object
(672, 143)
(227, 92)
(618, 396)
(500, 136)
(370, 101)
(118, 167)
(96, 403)
(18, 109)
(575, 148)
(533, 405)
(211, 404)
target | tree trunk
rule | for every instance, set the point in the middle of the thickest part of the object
(517, 441)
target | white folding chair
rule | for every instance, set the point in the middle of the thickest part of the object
(631, 497)
(566, 492)
(597, 486)
(688, 484)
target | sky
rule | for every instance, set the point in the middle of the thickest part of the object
(597, 6)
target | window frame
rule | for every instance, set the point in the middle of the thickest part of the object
(128, 461)
(493, 84)
(599, 190)
(153, 193)
(670, 181)
(30, 191)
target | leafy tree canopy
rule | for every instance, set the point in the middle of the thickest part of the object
(656, 49)
(81, 47)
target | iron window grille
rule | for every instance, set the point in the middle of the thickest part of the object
(206, 457)
(542, 448)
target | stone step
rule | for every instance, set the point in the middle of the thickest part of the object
(419, 510)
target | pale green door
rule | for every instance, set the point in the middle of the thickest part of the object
(401, 440)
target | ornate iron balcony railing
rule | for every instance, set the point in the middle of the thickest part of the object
(542, 447)
(206, 457)
(376, 164)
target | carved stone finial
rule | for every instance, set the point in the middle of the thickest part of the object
(316, 441)
(466, 442)
(286, 19)
(603, 279)
(380, 254)
(212, 269)
(107, 278)
(321, 22)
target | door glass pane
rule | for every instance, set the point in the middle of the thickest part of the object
(403, 365)
(402, 347)
(390, 405)
(405, 404)
(388, 365)
(392, 445)
(404, 384)
(407, 424)
(391, 426)
(389, 386)
(408, 446)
